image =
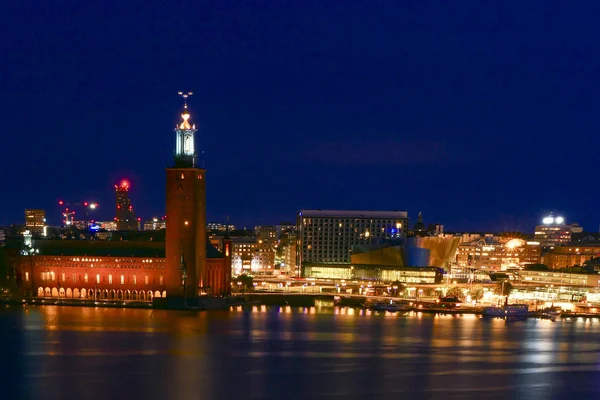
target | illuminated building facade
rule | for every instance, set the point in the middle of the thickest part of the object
(553, 231)
(252, 257)
(35, 222)
(327, 236)
(155, 224)
(570, 255)
(495, 253)
(125, 217)
(101, 270)
(107, 225)
(289, 244)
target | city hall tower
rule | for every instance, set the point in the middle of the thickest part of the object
(186, 217)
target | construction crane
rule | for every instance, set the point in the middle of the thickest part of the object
(69, 211)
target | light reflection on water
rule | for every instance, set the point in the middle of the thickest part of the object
(288, 352)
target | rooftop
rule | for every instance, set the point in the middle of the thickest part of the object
(353, 214)
(105, 248)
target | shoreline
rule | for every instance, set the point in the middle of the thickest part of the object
(244, 303)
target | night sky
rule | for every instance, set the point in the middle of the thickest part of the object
(482, 115)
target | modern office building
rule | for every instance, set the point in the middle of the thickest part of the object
(35, 222)
(124, 215)
(327, 236)
(552, 231)
(408, 260)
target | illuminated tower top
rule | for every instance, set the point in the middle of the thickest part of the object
(185, 150)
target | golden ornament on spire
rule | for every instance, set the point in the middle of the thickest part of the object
(186, 114)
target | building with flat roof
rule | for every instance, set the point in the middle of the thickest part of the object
(266, 232)
(327, 236)
(553, 231)
(35, 221)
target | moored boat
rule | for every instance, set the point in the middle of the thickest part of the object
(391, 307)
(551, 312)
(509, 310)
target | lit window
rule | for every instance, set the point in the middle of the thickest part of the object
(134, 280)
(74, 278)
(97, 278)
(64, 278)
(146, 279)
(85, 278)
(122, 279)
(27, 276)
(161, 280)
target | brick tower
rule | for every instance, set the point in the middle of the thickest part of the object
(186, 218)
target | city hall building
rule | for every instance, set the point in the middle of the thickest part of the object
(181, 269)
(101, 270)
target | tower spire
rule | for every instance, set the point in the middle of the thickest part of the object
(185, 149)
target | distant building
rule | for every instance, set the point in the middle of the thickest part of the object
(107, 225)
(81, 225)
(287, 248)
(266, 232)
(253, 257)
(553, 231)
(125, 217)
(285, 227)
(576, 228)
(2, 236)
(35, 222)
(215, 227)
(327, 236)
(155, 224)
(571, 255)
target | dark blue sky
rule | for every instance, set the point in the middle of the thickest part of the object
(482, 115)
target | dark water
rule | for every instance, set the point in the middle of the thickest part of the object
(96, 353)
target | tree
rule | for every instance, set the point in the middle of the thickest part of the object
(536, 267)
(503, 288)
(476, 292)
(245, 282)
(397, 287)
(455, 291)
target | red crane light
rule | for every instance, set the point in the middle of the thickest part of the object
(85, 204)
(60, 202)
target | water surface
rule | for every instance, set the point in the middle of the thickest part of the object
(291, 353)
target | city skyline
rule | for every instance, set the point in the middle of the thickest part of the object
(479, 116)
